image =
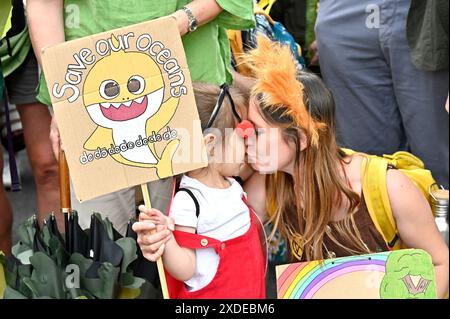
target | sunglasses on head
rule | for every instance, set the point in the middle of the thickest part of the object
(245, 128)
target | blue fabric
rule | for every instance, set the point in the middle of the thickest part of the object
(282, 35)
(383, 102)
(276, 32)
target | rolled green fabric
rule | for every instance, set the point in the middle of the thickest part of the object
(20, 46)
(42, 268)
(5, 17)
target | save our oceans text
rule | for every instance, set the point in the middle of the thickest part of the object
(144, 43)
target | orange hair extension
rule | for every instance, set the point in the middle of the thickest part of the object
(274, 68)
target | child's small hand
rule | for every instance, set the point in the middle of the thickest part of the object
(156, 217)
(154, 230)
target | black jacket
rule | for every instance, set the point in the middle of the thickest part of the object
(427, 31)
(292, 14)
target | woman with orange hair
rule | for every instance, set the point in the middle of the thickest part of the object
(315, 198)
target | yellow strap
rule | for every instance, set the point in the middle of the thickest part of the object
(237, 49)
(235, 38)
(267, 5)
(374, 171)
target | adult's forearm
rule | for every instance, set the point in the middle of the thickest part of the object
(46, 24)
(204, 11)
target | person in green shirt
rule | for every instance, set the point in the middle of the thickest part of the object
(207, 50)
(20, 71)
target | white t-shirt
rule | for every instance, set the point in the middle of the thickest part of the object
(223, 216)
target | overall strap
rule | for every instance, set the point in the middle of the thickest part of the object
(194, 241)
(197, 205)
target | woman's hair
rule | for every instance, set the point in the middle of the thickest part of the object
(206, 96)
(301, 205)
(304, 204)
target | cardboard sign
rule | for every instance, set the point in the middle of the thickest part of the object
(402, 274)
(125, 107)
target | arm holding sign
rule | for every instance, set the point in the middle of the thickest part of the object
(46, 25)
(46, 20)
(204, 11)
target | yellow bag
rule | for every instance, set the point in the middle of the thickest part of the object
(266, 5)
(375, 191)
(237, 49)
(235, 37)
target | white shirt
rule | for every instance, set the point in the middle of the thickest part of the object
(223, 216)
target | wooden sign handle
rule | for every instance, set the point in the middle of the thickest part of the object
(159, 262)
(64, 184)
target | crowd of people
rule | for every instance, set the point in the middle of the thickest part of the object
(381, 88)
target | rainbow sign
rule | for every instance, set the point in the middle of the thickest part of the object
(303, 280)
(401, 274)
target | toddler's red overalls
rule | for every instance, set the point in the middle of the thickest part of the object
(241, 270)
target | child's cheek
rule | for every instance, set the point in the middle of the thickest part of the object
(241, 150)
(236, 146)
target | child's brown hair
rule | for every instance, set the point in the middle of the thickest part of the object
(206, 96)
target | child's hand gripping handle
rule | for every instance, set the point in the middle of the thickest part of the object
(155, 232)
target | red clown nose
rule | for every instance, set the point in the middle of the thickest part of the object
(245, 129)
